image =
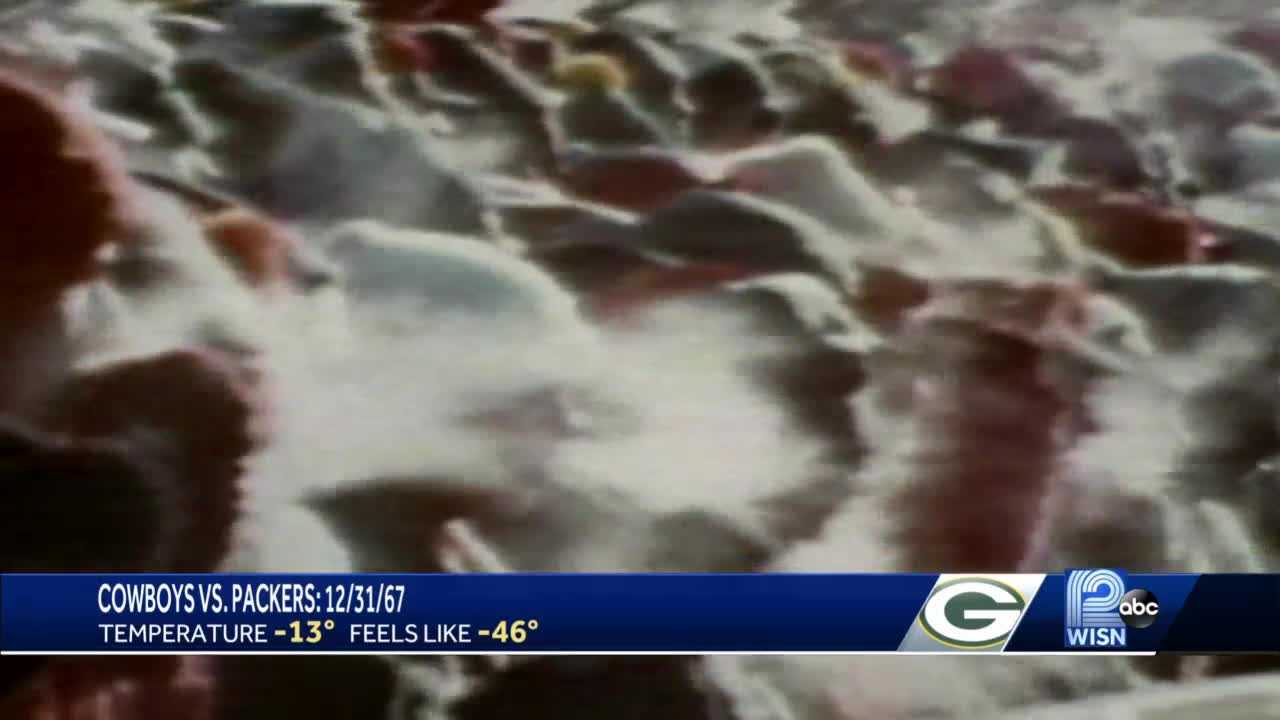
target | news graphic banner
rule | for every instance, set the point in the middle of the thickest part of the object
(1082, 611)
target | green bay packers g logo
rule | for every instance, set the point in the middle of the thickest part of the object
(972, 613)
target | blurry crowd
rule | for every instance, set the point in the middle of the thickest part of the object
(452, 286)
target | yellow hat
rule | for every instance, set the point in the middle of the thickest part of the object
(591, 71)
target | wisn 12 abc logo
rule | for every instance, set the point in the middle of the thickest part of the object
(1099, 611)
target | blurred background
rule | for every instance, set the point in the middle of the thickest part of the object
(611, 285)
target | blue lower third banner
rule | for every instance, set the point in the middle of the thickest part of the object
(1095, 610)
